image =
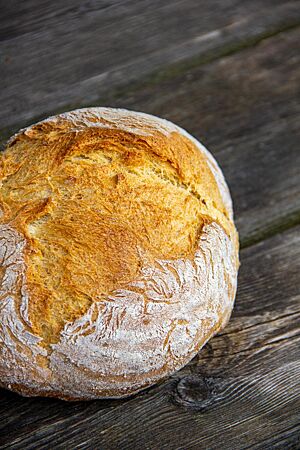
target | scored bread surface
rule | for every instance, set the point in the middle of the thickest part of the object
(118, 253)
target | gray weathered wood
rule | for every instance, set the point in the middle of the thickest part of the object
(242, 390)
(245, 108)
(60, 54)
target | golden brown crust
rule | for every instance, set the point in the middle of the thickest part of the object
(120, 229)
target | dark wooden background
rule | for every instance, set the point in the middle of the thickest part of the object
(227, 71)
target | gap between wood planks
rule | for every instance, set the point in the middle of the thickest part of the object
(245, 378)
(160, 75)
(180, 68)
(243, 387)
(251, 126)
(88, 60)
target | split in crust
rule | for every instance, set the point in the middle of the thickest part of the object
(118, 254)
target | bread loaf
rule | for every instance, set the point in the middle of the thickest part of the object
(118, 254)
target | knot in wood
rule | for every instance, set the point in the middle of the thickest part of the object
(196, 392)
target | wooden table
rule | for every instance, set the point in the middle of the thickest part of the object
(228, 72)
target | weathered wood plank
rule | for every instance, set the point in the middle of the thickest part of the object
(246, 109)
(243, 389)
(62, 54)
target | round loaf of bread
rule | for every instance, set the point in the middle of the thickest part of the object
(118, 252)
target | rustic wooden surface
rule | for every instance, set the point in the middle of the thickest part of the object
(63, 53)
(228, 71)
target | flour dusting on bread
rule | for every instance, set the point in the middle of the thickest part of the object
(118, 253)
(147, 330)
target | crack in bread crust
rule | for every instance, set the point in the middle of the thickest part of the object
(127, 255)
(133, 339)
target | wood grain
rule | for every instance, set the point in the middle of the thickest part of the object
(225, 72)
(57, 55)
(242, 390)
(245, 108)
